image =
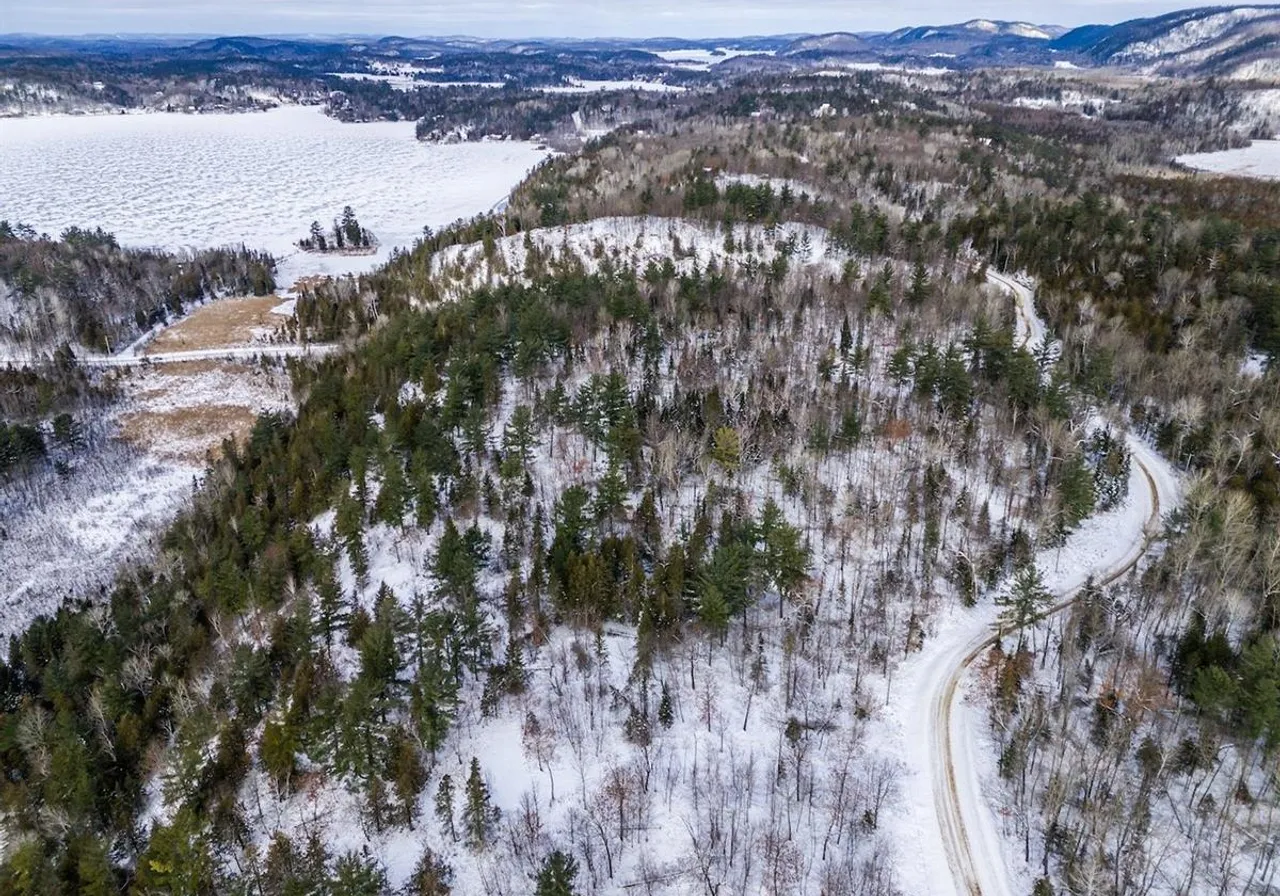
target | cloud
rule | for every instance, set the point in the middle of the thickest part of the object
(570, 18)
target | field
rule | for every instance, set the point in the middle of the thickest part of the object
(179, 181)
(231, 322)
(179, 412)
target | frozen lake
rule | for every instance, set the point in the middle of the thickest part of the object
(1260, 159)
(175, 181)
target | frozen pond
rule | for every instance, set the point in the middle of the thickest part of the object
(174, 180)
(1260, 159)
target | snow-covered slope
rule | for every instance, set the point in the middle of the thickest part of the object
(1240, 41)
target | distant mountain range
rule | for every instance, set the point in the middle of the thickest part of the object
(1241, 42)
(1230, 41)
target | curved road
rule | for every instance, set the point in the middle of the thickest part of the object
(970, 837)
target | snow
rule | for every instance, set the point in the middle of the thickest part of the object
(1062, 63)
(634, 242)
(719, 758)
(845, 68)
(1022, 29)
(699, 54)
(408, 83)
(1105, 543)
(404, 83)
(1259, 159)
(583, 86)
(1191, 34)
(1257, 70)
(701, 59)
(777, 184)
(62, 536)
(179, 181)
(1254, 367)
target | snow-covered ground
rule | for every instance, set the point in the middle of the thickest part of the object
(395, 82)
(177, 181)
(62, 536)
(579, 86)
(1260, 159)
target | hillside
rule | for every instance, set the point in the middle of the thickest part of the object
(855, 485)
(1238, 42)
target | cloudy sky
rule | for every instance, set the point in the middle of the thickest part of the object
(525, 18)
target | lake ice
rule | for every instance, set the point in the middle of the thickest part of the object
(1259, 159)
(177, 181)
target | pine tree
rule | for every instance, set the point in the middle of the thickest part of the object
(556, 876)
(317, 241)
(666, 712)
(611, 493)
(785, 559)
(880, 298)
(726, 449)
(478, 816)
(920, 289)
(1025, 600)
(444, 807)
(380, 658)
(404, 768)
(432, 876)
(393, 495)
(349, 527)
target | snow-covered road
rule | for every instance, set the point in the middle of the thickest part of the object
(239, 353)
(949, 831)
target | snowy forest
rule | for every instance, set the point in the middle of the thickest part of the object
(617, 544)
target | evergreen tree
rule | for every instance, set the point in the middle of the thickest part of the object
(666, 711)
(611, 493)
(784, 557)
(478, 816)
(920, 289)
(358, 875)
(393, 495)
(349, 527)
(880, 298)
(404, 769)
(556, 876)
(1025, 600)
(432, 876)
(726, 449)
(444, 807)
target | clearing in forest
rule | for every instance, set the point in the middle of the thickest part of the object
(246, 320)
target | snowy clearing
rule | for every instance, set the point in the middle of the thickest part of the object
(66, 536)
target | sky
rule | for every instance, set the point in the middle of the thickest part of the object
(542, 18)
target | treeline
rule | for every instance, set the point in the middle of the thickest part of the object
(84, 288)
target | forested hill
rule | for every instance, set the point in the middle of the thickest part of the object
(595, 562)
(84, 289)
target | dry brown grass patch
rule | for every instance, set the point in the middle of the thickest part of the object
(187, 433)
(222, 324)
